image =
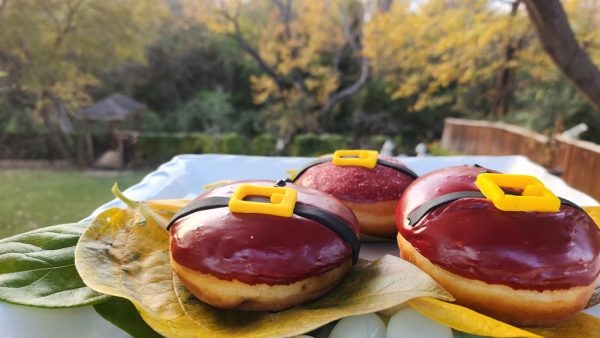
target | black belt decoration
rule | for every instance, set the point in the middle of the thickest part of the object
(329, 220)
(398, 167)
(416, 215)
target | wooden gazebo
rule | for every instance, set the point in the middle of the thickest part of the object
(113, 110)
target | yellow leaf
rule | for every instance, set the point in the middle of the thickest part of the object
(464, 319)
(311, 84)
(292, 173)
(121, 256)
(216, 184)
(157, 211)
(166, 208)
(262, 88)
(581, 325)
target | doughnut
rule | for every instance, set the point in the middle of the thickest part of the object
(525, 267)
(371, 192)
(256, 258)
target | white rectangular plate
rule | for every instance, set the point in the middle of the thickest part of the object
(184, 176)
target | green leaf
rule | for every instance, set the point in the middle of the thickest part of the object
(123, 256)
(123, 314)
(37, 268)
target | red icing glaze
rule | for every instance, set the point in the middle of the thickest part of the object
(523, 250)
(357, 184)
(256, 248)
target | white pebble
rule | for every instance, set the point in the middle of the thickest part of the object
(408, 323)
(363, 326)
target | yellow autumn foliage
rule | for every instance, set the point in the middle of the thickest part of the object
(435, 53)
(299, 44)
(422, 50)
(54, 46)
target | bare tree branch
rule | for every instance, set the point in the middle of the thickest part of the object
(337, 58)
(358, 84)
(61, 30)
(51, 15)
(385, 5)
(242, 42)
(364, 66)
(69, 22)
(112, 25)
(285, 11)
(558, 39)
(350, 37)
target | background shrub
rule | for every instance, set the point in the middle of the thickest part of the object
(314, 145)
(263, 144)
(374, 142)
(160, 147)
(233, 143)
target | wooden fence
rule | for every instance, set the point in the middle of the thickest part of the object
(578, 162)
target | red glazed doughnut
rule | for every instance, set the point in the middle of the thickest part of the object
(372, 194)
(525, 268)
(253, 261)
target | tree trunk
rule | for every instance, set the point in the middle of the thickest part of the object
(506, 76)
(89, 143)
(57, 145)
(558, 39)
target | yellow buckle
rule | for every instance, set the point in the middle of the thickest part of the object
(358, 158)
(594, 213)
(535, 196)
(283, 200)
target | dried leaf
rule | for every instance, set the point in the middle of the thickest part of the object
(595, 299)
(121, 256)
(464, 319)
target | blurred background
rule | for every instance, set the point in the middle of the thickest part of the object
(90, 85)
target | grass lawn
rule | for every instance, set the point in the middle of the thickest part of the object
(31, 199)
